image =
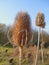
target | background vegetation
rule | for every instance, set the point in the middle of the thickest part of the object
(9, 55)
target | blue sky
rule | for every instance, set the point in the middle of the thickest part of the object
(9, 9)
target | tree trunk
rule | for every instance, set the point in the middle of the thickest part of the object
(20, 55)
(36, 62)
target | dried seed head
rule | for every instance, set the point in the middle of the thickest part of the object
(40, 20)
(22, 24)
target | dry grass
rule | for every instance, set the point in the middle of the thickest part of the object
(28, 55)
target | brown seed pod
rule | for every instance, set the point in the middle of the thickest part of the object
(21, 25)
(40, 20)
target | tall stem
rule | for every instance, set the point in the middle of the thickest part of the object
(26, 38)
(42, 55)
(36, 63)
(21, 52)
(20, 55)
(42, 48)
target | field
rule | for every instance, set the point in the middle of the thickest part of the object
(9, 56)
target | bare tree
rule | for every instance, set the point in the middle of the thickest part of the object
(40, 23)
(21, 32)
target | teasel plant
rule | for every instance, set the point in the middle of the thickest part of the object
(21, 32)
(40, 23)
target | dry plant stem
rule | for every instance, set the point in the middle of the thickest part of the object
(9, 39)
(20, 55)
(42, 49)
(26, 37)
(42, 55)
(21, 52)
(8, 36)
(36, 62)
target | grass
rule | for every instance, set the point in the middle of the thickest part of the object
(4, 48)
(5, 57)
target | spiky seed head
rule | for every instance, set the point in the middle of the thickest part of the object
(21, 25)
(40, 20)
